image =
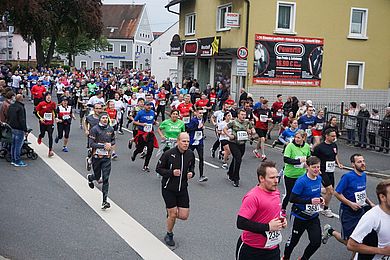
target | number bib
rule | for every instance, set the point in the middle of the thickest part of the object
(112, 122)
(148, 128)
(289, 139)
(263, 118)
(299, 165)
(186, 119)
(242, 136)
(273, 238)
(48, 116)
(162, 103)
(330, 166)
(360, 197)
(279, 114)
(320, 126)
(311, 209)
(198, 135)
(308, 132)
(66, 117)
(101, 152)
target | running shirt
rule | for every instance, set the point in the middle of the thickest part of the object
(295, 152)
(378, 220)
(305, 123)
(218, 116)
(327, 154)
(239, 131)
(277, 109)
(306, 189)
(112, 114)
(319, 123)
(172, 129)
(145, 117)
(92, 121)
(287, 136)
(64, 114)
(46, 111)
(353, 187)
(213, 98)
(202, 103)
(263, 115)
(196, 134)
(185, 110)
(261, 206)
(220, 126)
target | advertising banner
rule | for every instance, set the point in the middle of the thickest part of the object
(287, 60)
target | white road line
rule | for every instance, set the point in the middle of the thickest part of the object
(209, 164)
(133, 233)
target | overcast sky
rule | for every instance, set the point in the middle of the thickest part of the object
(160, 19)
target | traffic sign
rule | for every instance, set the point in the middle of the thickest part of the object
(242, 53)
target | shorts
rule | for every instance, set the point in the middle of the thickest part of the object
(243, 251)
(276, 120)
(174, 199)
(327, 179)
(316, 132)
(261, 132)
(349, 220)
(224, 142)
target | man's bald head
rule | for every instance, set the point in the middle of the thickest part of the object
(19, 98)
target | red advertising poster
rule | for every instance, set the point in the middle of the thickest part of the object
(287, 60)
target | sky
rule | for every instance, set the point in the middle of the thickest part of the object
(160, 19)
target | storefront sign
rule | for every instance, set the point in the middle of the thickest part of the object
(287, 60)
(112, 57)
(203, 47)
(232, 20)
(191, 48)
(176, 46)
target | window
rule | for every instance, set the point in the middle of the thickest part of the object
(285, 18)
(83, 64)
(140, 48)
(109, 65)
(123, 48)
(222, 10)
(137, 48)
(354, 77)
(358, 23)
(190, 24)
(96, 64)
(144, 49)
(140, 66)
(110, 47)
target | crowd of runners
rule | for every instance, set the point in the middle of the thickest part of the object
(105, 102)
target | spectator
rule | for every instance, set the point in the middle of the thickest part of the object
(9, 99)
(362, 121)
(350, 122)
(372, 128)
(384, 132)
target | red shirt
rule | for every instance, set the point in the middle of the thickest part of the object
(277, 109)
(184, 109)
(202, 103)
(213, 98)
(161, 96)
(44, 110)
(37, 91)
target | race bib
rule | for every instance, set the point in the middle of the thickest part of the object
(311, 209)
(212, 100)
(289, 139)
(279, 114)
(299, 165)
(112, 122)
(148, 128)
(186, 119)
(263, 118)
(162, 103)
(360, 197)
(308, 132)
(242, 136)
(198, 135)
(101, 152)
(330, 166)
(48, 116)
(273, 238)
(66, 117)
(320, 126)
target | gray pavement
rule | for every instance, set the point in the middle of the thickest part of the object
(42, 218)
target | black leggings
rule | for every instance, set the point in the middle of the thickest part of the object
(237, 151)
(200, 150)
(216, 145)
(289, 185)
(161, 110)
(49, 129)
(149, 143)
(63, 130)
(313, 228)
(102, 168)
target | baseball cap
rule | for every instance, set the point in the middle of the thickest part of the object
(148, 103)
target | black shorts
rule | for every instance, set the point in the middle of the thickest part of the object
(174, 199)
(261, 132)
(277, 120)
(224, 142)
(349, 220)
(327, 179)
(243, 251)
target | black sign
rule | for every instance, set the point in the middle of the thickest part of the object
(203, 47)
(176, 46)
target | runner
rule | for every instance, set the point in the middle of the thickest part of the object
(140, 106)
(294, 158)
(377, 219)
(224, 139)
(306, 123)
(176, 166)
(318, 127)
(263, 116)
(327, 151)
(287, 136)
(37, 92)
(177, 102)
(185, 109)
(351, 192)
(306, 196)
(170, 129)
(204, 104)
(277, 114)
(145, 119)
(260, 218)
(64, 120)
(101, 139)
(113, 122)
(240, 132)
(161, 103)
(216, 118)
(195, 129)
(83, 100)
(119, 106)
(46, 112)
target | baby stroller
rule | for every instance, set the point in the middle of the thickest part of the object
(6, 141)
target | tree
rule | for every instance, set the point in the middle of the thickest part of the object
(41, 19)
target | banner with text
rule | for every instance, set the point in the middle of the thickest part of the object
(287, 60)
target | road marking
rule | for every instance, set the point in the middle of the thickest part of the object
(209, 164)
(133, 233)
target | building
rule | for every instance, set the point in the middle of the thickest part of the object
(13, 47)
(127, 29)
(327, 51)
(163, 65)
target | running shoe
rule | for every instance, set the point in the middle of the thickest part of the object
(106, 205)
(225, 166)
(256, 153)
(65, 149)
(130, 144)
(39, 140)
(212, 152)
(327, 213)
(169, 239)
(20, 164)
(88, 163)
(203, 179)
(133, 157)
(56, 140)
(273, 144)
(50, 154)
(120, 132)
(325, 233)
(263, 157)
(236, 183)
(114, 156)
(143, 155)
(90, 182)
(269, 136)
(146, 169)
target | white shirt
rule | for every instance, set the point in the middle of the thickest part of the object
(218, 116)
(94, 100)
(378, 220)
(176, 103)
(221, 126)
(16, 81)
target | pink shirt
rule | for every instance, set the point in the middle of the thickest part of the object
(262, 206)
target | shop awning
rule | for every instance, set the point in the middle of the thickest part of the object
(174, 2)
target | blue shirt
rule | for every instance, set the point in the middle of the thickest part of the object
(144, 117)
(350, 184)
(307, 189)
(183, 91)
(195, 133)
(288, 135)
(305, 121)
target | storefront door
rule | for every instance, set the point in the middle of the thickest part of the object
(203, 72)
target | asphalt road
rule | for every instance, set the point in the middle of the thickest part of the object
(43, 218)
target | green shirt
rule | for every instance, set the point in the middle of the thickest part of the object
(294, 152)
(172, 129)
(239, 130)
